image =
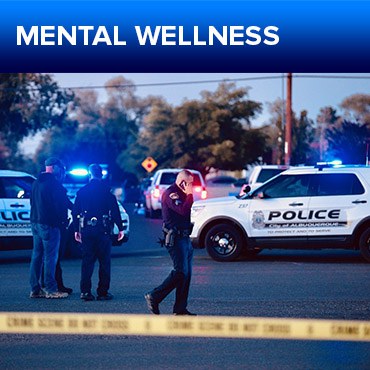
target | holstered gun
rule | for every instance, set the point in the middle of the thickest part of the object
(169, 236)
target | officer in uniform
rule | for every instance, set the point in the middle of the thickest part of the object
(94, 213)
(176, 206)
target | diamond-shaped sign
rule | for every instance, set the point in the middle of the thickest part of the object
(149, 164)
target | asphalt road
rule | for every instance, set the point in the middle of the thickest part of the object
(327, 285)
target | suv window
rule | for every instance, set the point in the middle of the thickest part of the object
(17, 187)
(288, 186)
(267, 173)
(169, 178)
(338, 184)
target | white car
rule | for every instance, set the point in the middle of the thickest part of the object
(261, 174)
(302, 208)
(162, 179)
(221, 186)
(15, 226)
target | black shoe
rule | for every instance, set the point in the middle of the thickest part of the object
(64, 289)
(105, 297)
(152, 304)
(184, 313)
(87, 297)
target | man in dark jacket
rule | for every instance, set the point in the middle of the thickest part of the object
(48, 207)
(176, 206)
(94, 213)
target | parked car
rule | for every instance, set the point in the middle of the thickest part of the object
(15, 209)
(302, 208)
(261, 174)
(162, 179)
(221, 186)
(15, 226)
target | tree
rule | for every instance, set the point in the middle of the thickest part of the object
(347, 142)
(28, 103)
(302, 137)
(326, 119)
(274, 131)
(99, 131)
(357, 107)
(213, 132)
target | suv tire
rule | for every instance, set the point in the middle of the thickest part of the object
(224, 242)
(365, 244)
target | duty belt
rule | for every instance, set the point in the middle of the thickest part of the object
(92, 222)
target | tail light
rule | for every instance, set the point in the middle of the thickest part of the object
(198, 189)
(204, 194)
(156, 192)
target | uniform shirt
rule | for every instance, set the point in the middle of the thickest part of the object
(96, 199)
(49, 201)
(176, 207)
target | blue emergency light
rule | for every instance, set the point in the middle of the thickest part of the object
(81, 172)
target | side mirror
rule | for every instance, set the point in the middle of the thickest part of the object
(247, 189)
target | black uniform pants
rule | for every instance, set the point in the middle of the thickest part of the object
(96, 245)
(179, 278)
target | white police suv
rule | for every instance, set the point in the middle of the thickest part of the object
(15, 227)
(302, 208)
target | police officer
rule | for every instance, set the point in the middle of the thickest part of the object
(176, 205)
(94, 212)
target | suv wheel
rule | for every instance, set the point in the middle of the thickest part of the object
(365, 245)
(224, 242)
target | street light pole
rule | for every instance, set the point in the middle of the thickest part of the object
(288, 121)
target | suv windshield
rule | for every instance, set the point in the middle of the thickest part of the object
(267, 173)
(16, 187)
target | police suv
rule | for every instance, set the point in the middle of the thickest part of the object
(302, 208)
(15, 227)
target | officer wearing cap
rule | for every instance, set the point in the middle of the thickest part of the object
(49, 204)
(176, 206)
(94, 213)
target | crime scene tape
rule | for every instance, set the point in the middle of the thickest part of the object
(189, 326)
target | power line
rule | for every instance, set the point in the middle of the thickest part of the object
(258, 78)
(176, 83)
(196, 82)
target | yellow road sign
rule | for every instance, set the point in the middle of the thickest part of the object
(149, 164)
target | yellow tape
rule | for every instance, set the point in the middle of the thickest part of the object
(194, 326)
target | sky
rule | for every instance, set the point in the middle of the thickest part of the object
(310, 91)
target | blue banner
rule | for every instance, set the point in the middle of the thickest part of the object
(185, 36)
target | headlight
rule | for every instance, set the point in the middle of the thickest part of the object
(195, 210)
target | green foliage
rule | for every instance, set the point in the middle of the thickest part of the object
(28, 103)
(357, 107)
(213, 132)
(347, 142)
(302, 137)
(100, 132)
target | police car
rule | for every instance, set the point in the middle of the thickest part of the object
(15, 227)
(302, 208)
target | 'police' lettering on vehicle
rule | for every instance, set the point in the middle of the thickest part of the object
(321, 214)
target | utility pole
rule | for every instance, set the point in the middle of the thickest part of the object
(288, 122)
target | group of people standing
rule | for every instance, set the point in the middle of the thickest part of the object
(94, 212)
